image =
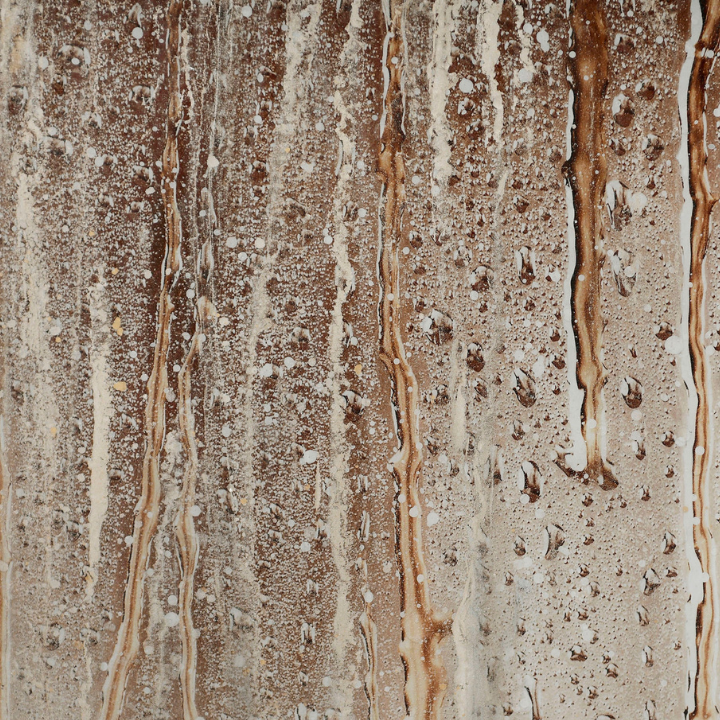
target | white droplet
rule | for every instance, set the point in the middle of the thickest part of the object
(289, 363)
(195, 510)
(226, 430)
(305, 546)
(673, 345)
(246, 11)
(172, 619)
(414, 511)
(309, 457)
(368, 596)
(542, 38)
(212, 162)
(232, 242)
(137, 33)
(525, 75)
(466, 86)
(259, 243)
(433, 519)
(172, 600)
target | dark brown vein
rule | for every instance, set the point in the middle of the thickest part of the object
(587, 175)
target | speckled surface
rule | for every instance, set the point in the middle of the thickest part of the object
(358, 360)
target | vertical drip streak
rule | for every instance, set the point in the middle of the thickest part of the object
(696, 235)
(587, 175)
(422, 629)
(189, 549)
(369, 634)
(185, 524)
(185, 531)
(146, 511)
(5, 576)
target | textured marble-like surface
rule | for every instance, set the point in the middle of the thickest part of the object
(358, 359)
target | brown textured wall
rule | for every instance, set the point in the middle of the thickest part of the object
(358, 360)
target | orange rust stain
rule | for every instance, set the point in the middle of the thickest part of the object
(422, 628)
(702, 204)
(146, 514)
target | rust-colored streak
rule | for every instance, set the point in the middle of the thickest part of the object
(185, 533)
(146, 513)
(369, 630)
(185, 524)
(422, 629)
(702, 205)
(587, 174)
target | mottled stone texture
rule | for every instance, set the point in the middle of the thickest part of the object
(357, 359)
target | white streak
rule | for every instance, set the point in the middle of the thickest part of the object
(102, 412)
(339, 452)
(440, 81)
(577, 457)
(489, 51)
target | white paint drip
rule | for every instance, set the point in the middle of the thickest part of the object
(440, 81)
(102, 412)
(34, 334)
(577, 457)
(471, 686)
(343, 624)
(489, 51)
(526, 73)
